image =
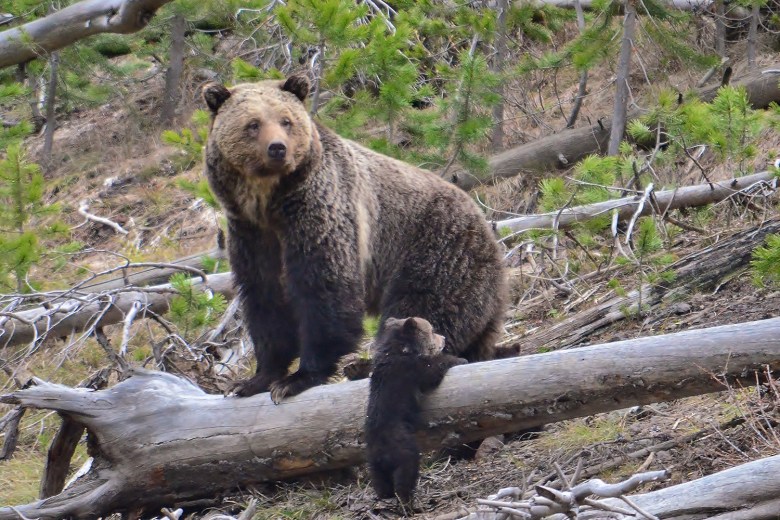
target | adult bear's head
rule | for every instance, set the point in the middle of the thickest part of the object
(262, 129)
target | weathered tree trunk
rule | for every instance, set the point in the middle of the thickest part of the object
(51, 119)
(582, 87)
(160, 441)
(73, 23)
(720, 28)
(565, 148)
(619, 112)
(62, 317)
(689, 196)
(752, 37)
(498, 66)
(699, 271)
(175, 67)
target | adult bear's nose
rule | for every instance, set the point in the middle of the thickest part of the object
(277, 150)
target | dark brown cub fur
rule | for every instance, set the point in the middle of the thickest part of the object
(322, 230)
(407, 363)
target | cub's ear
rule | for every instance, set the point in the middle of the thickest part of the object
(410, 325)
(215, 95)
(298, 85)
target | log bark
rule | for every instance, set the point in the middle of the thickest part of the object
(699, 271)
(689, 196)
(75, 22)
(67, 315)
(561, 150)
(160, 441)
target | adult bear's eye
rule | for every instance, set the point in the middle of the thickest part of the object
(253, 126)
(286, 123)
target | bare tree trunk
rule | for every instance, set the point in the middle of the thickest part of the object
(752, 37)
(160, 441)
(51, 122)
(175, 66)
(619, 114)
(318, 73)
(70, 24)
(498, 67)
(720, 28)
(581, 89)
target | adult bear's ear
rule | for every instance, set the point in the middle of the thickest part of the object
(215, 95)
(298, 85)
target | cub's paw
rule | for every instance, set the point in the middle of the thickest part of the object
(252, 386)
(357, 369)
(294, 384)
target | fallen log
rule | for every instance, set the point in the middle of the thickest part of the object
(747, 491)
(75, 22)
(562, 150)
(626, 207)
(699, 271)
(81, 312)
(152, 275)
(157, 440)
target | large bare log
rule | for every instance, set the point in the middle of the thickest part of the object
(65, 315)
(668, 200)
(73, 23)
(565, 148)
(160, 441)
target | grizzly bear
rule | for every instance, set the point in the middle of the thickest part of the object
(407, 361)
(322, 230)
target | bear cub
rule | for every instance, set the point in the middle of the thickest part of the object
(407, 362)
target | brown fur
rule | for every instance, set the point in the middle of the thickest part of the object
(335, 230)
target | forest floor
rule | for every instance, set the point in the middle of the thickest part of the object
(130, 176)
(733, 427)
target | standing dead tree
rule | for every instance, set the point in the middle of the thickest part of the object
(157, 440)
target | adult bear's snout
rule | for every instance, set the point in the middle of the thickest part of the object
(277, 151)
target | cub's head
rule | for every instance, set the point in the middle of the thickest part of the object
(262, 129)
(408, 337)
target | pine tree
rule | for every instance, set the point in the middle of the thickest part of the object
(22, 205)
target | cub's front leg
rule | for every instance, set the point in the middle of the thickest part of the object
(256, 261)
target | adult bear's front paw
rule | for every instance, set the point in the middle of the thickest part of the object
(294, 384)
(252, 386)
